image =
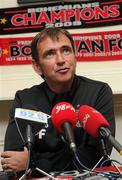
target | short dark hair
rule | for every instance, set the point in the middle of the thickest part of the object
(53, 33)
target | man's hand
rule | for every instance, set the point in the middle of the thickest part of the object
(14, 160)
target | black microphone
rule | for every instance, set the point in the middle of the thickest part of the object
(30, 138)
(106, 133)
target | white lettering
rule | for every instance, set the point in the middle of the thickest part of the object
(42, 133)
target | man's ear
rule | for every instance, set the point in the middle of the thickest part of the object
(37, 68)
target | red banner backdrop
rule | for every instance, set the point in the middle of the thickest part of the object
(15, 51)
(69, 15)
(97, 46)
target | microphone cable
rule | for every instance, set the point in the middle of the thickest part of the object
(108, 174)
(113, 173)
(19, 131)
(80, 163)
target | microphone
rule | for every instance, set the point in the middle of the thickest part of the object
(30, 137)
(64, 119)
(96, 125)
(28, 115)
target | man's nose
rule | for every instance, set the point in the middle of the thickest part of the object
(60, 58)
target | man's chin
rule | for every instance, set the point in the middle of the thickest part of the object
(65, 79)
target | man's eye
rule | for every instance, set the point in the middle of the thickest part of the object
(49, 54)
(67, 51)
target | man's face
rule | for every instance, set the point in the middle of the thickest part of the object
(57, 60)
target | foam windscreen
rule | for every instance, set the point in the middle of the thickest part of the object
(91, 120)
(63, 112)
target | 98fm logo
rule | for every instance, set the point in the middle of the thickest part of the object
(20, 50)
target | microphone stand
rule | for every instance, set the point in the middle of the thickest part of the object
(105, 155)
(39, 170)
(30, 139)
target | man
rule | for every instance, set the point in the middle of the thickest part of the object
(54, 60)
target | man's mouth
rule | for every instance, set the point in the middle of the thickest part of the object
(63, 70)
